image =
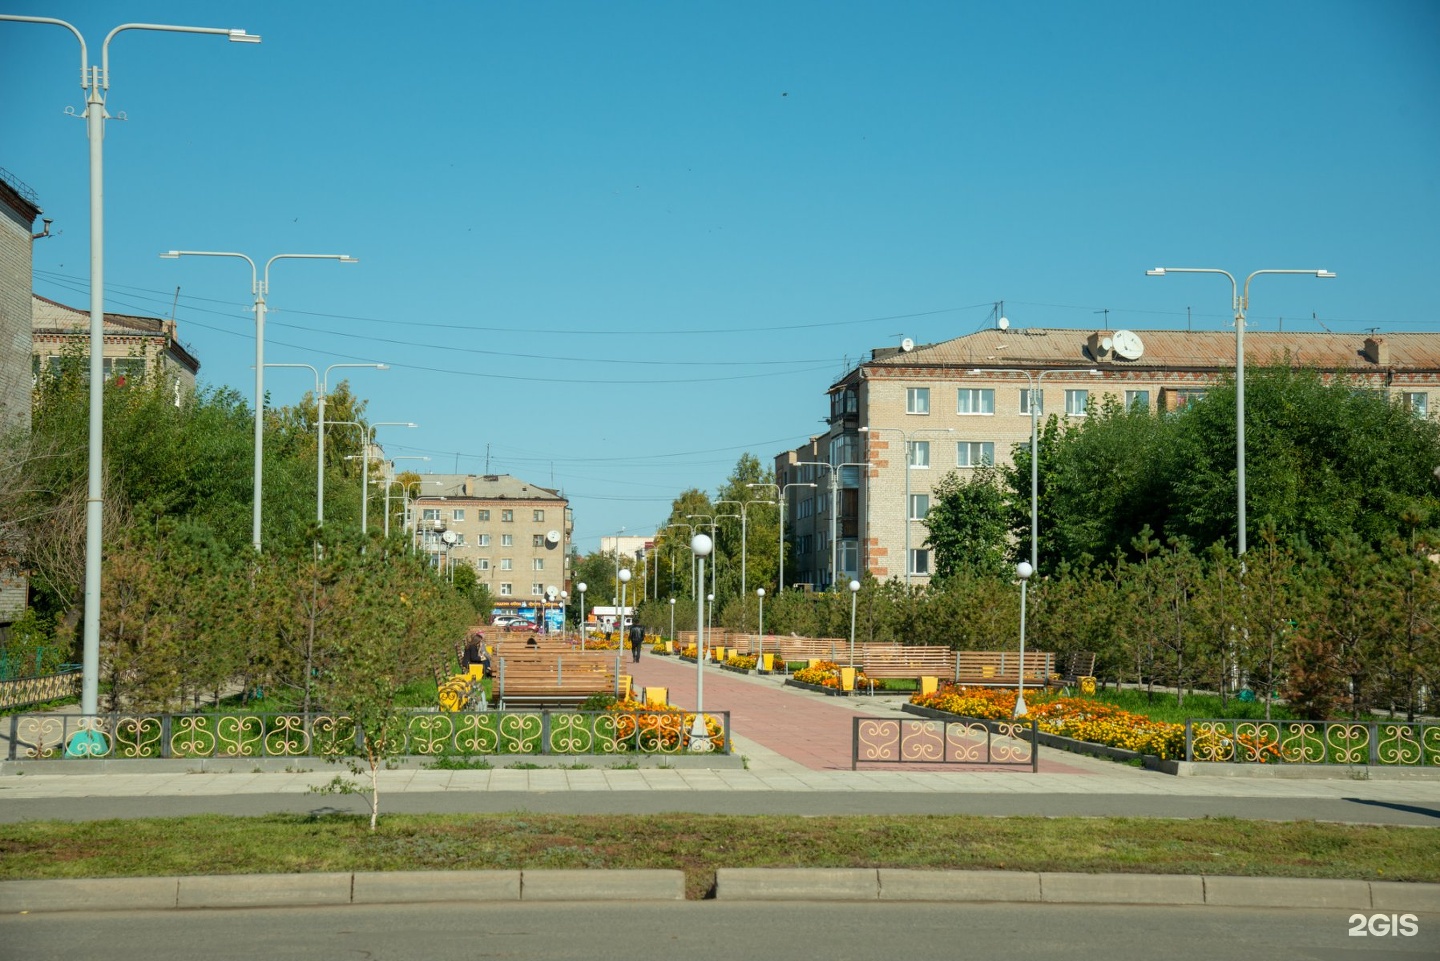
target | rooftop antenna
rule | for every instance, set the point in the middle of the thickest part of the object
(1106, 312)
(173, 304)
(1187, 320)
(1320, 322)
(1282, 325)
(487, 458)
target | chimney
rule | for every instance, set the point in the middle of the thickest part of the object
(1377, 351)
(1099, 344)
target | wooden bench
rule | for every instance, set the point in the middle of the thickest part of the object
(1073, 667)
(1001, 668)
(908, 661)
(565, 680)
(810, 648)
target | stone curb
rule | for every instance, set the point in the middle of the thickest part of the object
(731, 884)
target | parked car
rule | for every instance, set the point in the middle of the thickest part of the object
(508, 620)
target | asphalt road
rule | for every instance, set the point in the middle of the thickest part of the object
(1355, 810)
(722, 931)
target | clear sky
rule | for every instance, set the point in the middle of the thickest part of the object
(612, 246)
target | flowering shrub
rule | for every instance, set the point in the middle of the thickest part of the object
(1074, 717)
(602, 642)
(827, 674)
(659, 646)
(742, 662)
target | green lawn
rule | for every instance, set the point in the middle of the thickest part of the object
(701, 843)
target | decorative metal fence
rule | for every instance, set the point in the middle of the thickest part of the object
(53, 736)
(887, 740)
(24, 691)
(1371, 743)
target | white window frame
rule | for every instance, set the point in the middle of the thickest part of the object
(1417, 402)
(984, 397)
(917, 555)
(507, 540)
(430, 513)
(507, 517)
(482, 563)
(918, 501)
(507, 564)
(538, 516)
(1074, 395)
(457, 514)
(482, 540)
(1025, 402)
(537, 589)
(507, 590)
(917, 400)
(917, 451)
(482, 515)
(1133, 399)
(538, 564)
(965, 451)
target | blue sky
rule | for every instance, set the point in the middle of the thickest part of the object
(613, 246)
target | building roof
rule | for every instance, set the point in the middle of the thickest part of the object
(57, 319)
(1163, 349)
(487, 487)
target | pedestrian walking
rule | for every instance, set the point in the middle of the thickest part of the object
(637, 638)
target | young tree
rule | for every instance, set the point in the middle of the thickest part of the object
(966, 524)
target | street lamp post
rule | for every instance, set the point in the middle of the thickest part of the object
(389, 483)
(95, 81)
(709, 522)
(672, 620)
(854, 592)
(1035, 396)
(699, 734)
(905, 437)
(780, 499)
(760, 626)
(834, 509)
(743, 505)
(691, 529)
(1023, 570)
(259, 289)
(624, 576)
(1239, 302)
(364, 457)
(581, 588)
(321, 386)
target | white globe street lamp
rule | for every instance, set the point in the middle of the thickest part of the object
(672, 620)
(700, 546)
(760, 593)
(581, 588)
(854, 592)
(624, 576)
(1023, 570)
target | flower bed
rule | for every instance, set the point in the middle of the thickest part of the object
(1074, 717)
(742, 662)
(827, 674)
(662, 729)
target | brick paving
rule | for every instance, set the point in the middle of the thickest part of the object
(813, 730)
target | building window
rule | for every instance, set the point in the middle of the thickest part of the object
(482, 515)
(1137, 400)
(482, 563)
(537, 589)
(539, 516)
(506, 564)
(506, 590)
(482, 540)
(919, 451)
(537, 540)
(919, 506)
(920, 562)
(459, 540)
(458, 514)
(1185, 396)
(974, 453)
(849, 558)
(539, 564)
(1419, 404)
(507, 540)
(917, 400)
(975, 400)
(430, 514)
(1025, 402)
(507, 517)
(1075, 401)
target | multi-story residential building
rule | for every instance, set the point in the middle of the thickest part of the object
(516, 535)
(903, 419)
(134, 345)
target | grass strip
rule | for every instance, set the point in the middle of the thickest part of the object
(698, 844)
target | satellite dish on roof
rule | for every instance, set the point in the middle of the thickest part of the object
(1003, 323)
(1106, 343)
(1127, 344)
(907, 345)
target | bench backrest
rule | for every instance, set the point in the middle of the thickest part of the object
(1002, 664)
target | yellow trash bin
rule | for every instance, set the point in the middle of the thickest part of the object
(847, 678)
(657, 696)
(765, 662)
(1087, 685)
(929, 685)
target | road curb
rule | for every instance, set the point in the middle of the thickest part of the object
(731, 884)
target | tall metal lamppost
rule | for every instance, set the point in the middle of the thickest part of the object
(909, 459)
(691, 529)
(760, 626)
(95, 81)
(742, 505)
(1023, 570)
(1239, 302)
(564, 601)
(321, 386)
(672, 620)
(699, 733)
(624, 576)
(583, 626)
(780, 499)
(835, 509)
(1035, 401)
(390, 483)
(710, 523)
(259, 289)
(364, 457)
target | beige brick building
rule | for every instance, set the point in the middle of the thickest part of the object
(516, 535)
(18, 210)
(134, 345)
(964, 402)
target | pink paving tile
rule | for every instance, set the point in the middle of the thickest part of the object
(805, 729)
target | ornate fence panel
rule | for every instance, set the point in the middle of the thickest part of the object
(37, 690)
(966, 740)
(429, 734)
(1371, 743)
